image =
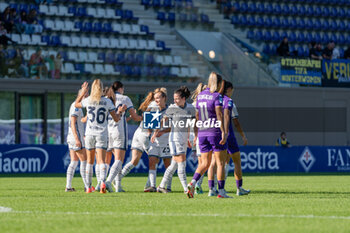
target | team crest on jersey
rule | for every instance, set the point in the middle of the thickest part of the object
(307, 159)
(220, 99)
(230, 103)
(151, 120)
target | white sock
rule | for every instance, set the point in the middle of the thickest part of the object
(115, 169)
(226, 171)
(107, 168)
(127, 168)
(148, 183)
(170, 181)
(215, 182)
(89, 174)
(97, 172)
(70, 173)
(83, 172)
(181, 172)
(103, 172)
(152, 176)
(169, 172)
(200, 181)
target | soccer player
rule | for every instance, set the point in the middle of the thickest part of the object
(76, 145)
(180, 111)
(140, 143)
(118, 131)
(199, 89)
(232, 147)
(211, 139)
(159, 147)
(96, 138)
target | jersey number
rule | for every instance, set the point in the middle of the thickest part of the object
(203, 110)
(101, 115)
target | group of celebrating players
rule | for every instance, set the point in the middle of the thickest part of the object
(105, 135)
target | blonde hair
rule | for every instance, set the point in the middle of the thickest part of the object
(148, 100)
(214, 82)
(161, 90)
(198, 90)
(96, 91)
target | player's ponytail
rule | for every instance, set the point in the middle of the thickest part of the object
(148, 100)
(96, 91)
(183, 92)
(214, 82)
(110, 95)
(116, 85)
(198, 90)
(227, 85)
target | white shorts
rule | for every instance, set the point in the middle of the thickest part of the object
(117, 142)
(96, 142)
(72, 145)
(159, 151)
(140, 141)
(177, 148)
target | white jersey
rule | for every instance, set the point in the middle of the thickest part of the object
(119, 129)
(163, 140)
(78, 113)
(97, 116)
(177, 115)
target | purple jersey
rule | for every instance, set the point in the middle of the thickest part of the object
(232, 146)
(205, 105)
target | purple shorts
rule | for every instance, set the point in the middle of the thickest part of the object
(232, 146)
(210, 143)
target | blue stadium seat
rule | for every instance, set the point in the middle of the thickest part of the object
(161, 44)
(285, 9)
(23, 7)
(309, 38)
(273, 50)
(318, 12)
(183, 17)
(78, 25)
(46, 39)
(267, 36)
(292, 37)
(161, 16)
(110, 57)
(120, 69)
(107, 27)
(55, 41)
(258, 35)
(300, 51)
(325, 12)
(252, 8)
(268, 8)
(285, 23)
(72, 10)
(341, 13)
(284, 34)
(120, 58)
(317, 24)
(146, 3)
(334, 26)
(325, 38)
(266, 49)
(310, 11)
(268, 22)
(87, 27)
(341, 39)
(318, 38)
(165, 72)
(301, 24)
(309, 24)
(341, 52)
(130, 58)
(334, 38)
(81, 12)
(150, 59)
(243, 20)
(168, 4)
(145, 28)
(11, 53)
(97, 27)
(171, 17)
(250, 34)
(302, 10)
(277, 10)
(156, 3)
(291, 49)
(276, 22)
(293, 23)
(260, 8)
(243, 7)
(194, 18)
(251, 21)
(14, 6)
(64, 55)
(301, 37)
(294, 10)
(119, 13)
(260, 21)
(129, 15)
(325, 25)
(136, 71)
(235, 20)
(155, 71)
(101, 56)
(139, 59)
(276, 36)
(334, 12)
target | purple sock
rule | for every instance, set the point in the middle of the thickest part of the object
(239, 183)
(221, 184)
(211, 184)
(196, 176)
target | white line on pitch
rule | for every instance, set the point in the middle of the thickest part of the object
(9, 210)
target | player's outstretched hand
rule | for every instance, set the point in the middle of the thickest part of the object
(84, 88)
(122, 108)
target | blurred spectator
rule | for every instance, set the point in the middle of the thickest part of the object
(51, 60)
(19, 65)
(336, 53)
(347, 53)
(38, 28)
(32, 16)
(315, 51)
(4, 39)
(5, 16)
(58, 66)
(10, 21)
(37, 65)
(282, 140)
(3, 65)
(328, 51)
(283, 49)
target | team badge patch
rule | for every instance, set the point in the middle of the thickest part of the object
(151, 120)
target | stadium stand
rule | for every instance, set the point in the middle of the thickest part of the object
(102, 37)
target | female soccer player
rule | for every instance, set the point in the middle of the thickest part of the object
(199, 89)
(76, 145)
(96, 137)
(140, 143)
(159, 147)
(180, 111)
(211, 139)
(232, 146)
(118, 131)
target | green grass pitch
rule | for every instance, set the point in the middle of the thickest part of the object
(289, 203)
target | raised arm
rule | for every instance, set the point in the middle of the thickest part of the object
(134, 115)
(84, 89)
